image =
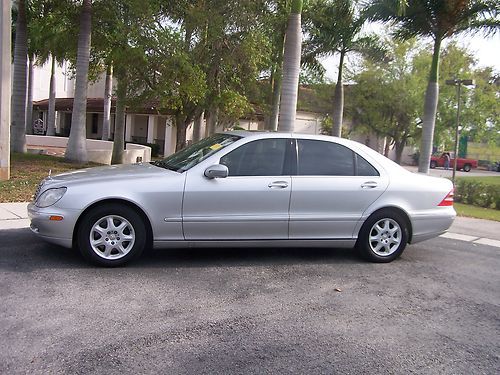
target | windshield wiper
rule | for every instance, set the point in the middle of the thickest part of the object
(165, 165)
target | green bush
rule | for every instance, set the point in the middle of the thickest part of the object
(477, 193)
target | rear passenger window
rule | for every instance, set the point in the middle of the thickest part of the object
(320, 158)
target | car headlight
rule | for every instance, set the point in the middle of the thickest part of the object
(49, 197)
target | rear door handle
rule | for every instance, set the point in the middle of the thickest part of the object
(278, 185)
(369, 185)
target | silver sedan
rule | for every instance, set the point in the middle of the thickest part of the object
(245, 189)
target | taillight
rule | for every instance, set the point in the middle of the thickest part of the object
(448, 200)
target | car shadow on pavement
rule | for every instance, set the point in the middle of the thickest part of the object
(241, 257)
(21, 250)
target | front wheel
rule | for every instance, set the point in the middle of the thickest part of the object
(433, 164)
(111, 235)
(467, 167)
(383, 237)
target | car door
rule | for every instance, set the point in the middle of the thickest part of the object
(250, 204)
(331, 190)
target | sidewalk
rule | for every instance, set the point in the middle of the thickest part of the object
(485, 232)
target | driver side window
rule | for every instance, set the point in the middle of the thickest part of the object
(265, 157)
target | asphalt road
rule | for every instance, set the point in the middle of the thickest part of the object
(436, 310)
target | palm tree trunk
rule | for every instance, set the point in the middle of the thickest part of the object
(29, 104)
(18, 124)
(77, 147)
(108, 92)
(338, 100)
(291, 69)
(277, 80)
(273, 119)
(51, 116)
(430, 109)
(119, 138)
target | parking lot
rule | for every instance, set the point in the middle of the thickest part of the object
(434, 311)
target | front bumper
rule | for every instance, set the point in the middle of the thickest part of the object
(57, 232)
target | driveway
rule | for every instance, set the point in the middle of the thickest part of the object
(308, 311)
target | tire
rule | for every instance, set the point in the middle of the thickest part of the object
(119, 235)
(383, 237)
(467, 168)
(433, 164)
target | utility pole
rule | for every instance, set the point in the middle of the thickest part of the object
(5, 88)
(458, 83)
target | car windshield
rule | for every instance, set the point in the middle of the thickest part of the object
(190, 156)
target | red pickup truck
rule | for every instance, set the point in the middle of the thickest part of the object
(462, 163)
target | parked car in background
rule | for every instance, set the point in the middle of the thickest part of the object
(245, 189)
(464, 164)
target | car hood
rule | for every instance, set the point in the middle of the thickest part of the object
(112, 173)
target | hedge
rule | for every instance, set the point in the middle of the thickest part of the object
(477, 193)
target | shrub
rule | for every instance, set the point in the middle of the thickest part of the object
(477, 193)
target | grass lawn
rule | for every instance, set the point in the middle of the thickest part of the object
(477, 212)
(26, 172)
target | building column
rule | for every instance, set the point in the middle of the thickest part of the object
(152, 121)
(129, 127)
(5, 91)
(170, 137)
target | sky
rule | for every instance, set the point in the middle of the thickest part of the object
(487, 52)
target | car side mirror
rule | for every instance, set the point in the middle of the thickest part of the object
(217, 171)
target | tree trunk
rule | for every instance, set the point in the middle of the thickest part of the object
(430, 108)
(29, 104)
(291, 69)
(119, 138)
(18, 124)
(5, 88)
(338, 100)
(77, 147)
(108, 92)
(180, 129)
(400, 146)
(212, 120)
(197, 128)
(51, 116)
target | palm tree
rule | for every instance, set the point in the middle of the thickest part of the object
(438, 19)
(291, 69)
(76, 150)
(51, 118)
(335, 29)
(108, 93)
(18, 125)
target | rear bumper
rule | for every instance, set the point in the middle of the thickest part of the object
(432, 224)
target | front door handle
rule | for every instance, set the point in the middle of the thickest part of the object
(278, 185)
(369, 185)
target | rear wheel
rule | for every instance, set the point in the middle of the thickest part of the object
(433, 164)
(111, 235)
(467, 167)
(383, 237)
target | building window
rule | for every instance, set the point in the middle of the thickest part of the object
(95, 125)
